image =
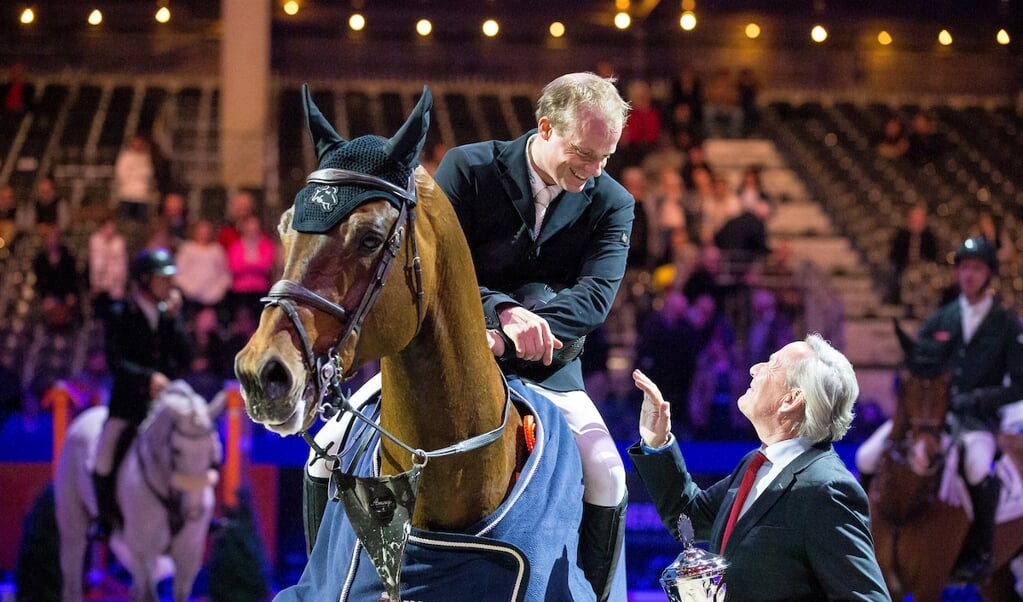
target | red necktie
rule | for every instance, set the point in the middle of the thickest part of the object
(740, 498)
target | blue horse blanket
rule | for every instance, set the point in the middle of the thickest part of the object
(525, 551)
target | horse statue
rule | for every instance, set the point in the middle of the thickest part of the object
(917, 499)
(455, 483)
(164, 491)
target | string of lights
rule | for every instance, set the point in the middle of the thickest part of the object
(621, 15)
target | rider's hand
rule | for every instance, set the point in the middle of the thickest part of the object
(655, 416)
(534, 341)
(496, 342)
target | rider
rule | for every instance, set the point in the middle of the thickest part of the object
(539, 210)
(146, 346)
(982, 345)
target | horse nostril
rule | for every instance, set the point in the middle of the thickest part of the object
(276, 379)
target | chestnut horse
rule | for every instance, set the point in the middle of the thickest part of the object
(340, 305)
(917, 535)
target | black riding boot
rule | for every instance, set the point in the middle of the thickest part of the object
(601, 537)
(314, 504)
(106, 506)
(974, 564)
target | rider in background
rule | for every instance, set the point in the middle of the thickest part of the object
(982, 345)
(540, 209)
(146, 346)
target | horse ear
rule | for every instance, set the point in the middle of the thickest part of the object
(408, 142)
(323, 134)
(905, 341)
(216, 406)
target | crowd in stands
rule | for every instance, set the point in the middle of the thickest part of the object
(707, 292)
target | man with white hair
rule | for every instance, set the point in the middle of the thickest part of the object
(791, 520)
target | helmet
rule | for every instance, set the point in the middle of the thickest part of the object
(978, 248)
(152, 262)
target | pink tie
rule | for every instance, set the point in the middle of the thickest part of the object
(740, 498)
(541, 201)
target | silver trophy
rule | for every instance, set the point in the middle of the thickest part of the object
(696, 575)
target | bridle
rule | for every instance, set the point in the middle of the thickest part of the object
(330, 399)
(927, 425)
(178, 482)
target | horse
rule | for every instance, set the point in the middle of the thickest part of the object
(164, 491)
(340, 304)
(918, 529)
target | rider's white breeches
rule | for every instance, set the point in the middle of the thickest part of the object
(603, 469)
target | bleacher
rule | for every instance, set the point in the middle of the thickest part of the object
(835, 196)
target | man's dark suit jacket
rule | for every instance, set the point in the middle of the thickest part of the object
(980, 366)
(134, 352)
(807, 537)
(581, 250)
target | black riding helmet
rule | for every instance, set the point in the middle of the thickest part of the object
(978, 248)
(152, 262)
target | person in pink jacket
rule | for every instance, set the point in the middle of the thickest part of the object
(251, 259)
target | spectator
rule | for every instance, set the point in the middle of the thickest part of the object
(10, 216)
(722, 112)
(108, 266)
(204, 274)
(56, 281)
(205, 371)
(914, 243)
(696, 159)
(799, 506)
(250, 258)
(925, 143)
(687, 103)
(997, 236)
(751, 189)
(768, 328)
(668, 347)
(743, 244)
(723, 206)
(641, 243)
(747, 89)
(49, 209)
(715, 385)
(705, 278)
(133, 179)
(700, 195)
(15, 100)
(241, 206)
(172, 225)
(671, 217)
(894, 141)
(643, 128)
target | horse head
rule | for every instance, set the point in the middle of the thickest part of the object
(335, 307)
(923, 393)
(914, 454)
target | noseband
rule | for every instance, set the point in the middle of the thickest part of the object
(330, 399)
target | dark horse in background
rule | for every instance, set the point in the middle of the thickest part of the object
(917, 536)
(377, 267)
